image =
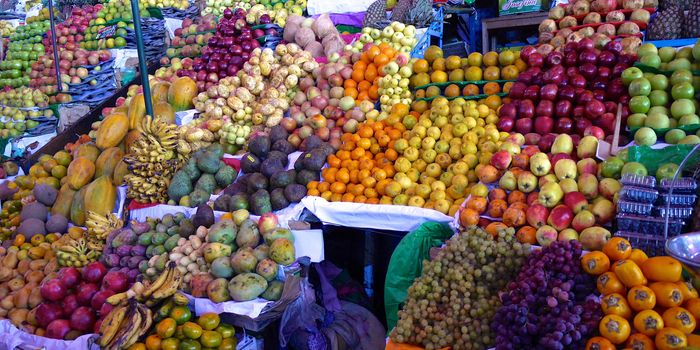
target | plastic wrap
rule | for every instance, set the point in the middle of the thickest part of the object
(638, 194)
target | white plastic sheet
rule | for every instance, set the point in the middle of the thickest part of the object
(12, 338)
(372, 216)
(171, 24)
(314, 7)
(252, 308)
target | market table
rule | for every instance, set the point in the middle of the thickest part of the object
(507, 22)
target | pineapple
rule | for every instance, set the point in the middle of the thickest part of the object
(683, 4)
(691, 24)
(375, 16)
(667, 24)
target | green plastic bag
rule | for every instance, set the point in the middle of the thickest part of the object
(406, 264)
(653, 158)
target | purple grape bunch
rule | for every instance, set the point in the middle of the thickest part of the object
(550, 305)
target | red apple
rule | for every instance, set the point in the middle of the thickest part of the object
(524, 126)
(560, 217)
(576, 201)
(536, 215)
(501, 159)
(544, 125)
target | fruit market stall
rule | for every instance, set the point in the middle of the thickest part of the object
(263, 181)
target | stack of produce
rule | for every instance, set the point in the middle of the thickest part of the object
(8, 168)
(6, 29)
(276, 10)
(234, 259)
(664, 105)
(204, 174)
(549, 198)
(473, 264)
(673, 22)
(261, 92)
(179, 328)
(599, 20)
(24, 48)
(71, 32)
(549, 304)
(318, 36)
(567, 92)
(400, 36)
(23, 109)
(644, 296)
(267, 184)
(369, 69)
(26, 265)
(168, 4)
(191, 37)
(34, 215)
(492, 67)
(226, 52)
(74, 301)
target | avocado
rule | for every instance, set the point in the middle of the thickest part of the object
(282, 179)
(217, 149)
(257, 181)
(299, 163)
(327, 149)
(250, 163)
(238, 201)
(271, 165)
(278, 199)
(222, 203)
(259, 145)
(314, 160)
(310, 143)
(203, 217)
(283, 146)
(295, 192)
(279, 155)
(306, 176)
(225, 176)
(260, 202)
(234, 188)
(197, 197)
(278, 132)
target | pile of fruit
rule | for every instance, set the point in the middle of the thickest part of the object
(277, 10)
(567, 92)
(318, 36)
(549, 198)
(191, 37)
(646, 301)
(6, 29)
(599, 20)
(473, 263)
(400, 36)
(232, 259)
(268, 184)
(675, 20)
(180, 329)
(24, 48)
(664, 104)
(368, 70)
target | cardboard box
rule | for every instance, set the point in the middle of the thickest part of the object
(511, 7)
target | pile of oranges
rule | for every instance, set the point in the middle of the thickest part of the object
(364, 82)
(646, 302)
(511, 208)
(362, 170)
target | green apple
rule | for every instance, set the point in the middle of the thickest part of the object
(689, 119)
(659, 82)
(679, 63)
(639, 104)
(658, 97)
(634, 168)
(645, 136)
(651, 60)
(632, 73)
(686, 52)
(647, 49)
(658, 109)
(681, 76)
(682, 90)
(682, 107)
(666, 171)
(636, 120)
(640, 87)
(612, 167)
(657, 121)
(673, 136)
(689, 140)
(667, 54)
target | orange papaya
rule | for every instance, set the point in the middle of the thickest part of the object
(100, 196)
(80, 172)
(107, 161)
(137, 110)
(112, 130)
(165, 111)
(87, 150)
(159, 92)
(181, 93)
(119, 172)
(63, 202)
(77, 208)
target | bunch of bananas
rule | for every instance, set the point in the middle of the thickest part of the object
(99, 226)
(77, 249)
(124, 325)
(152, 161)
(165, 286)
